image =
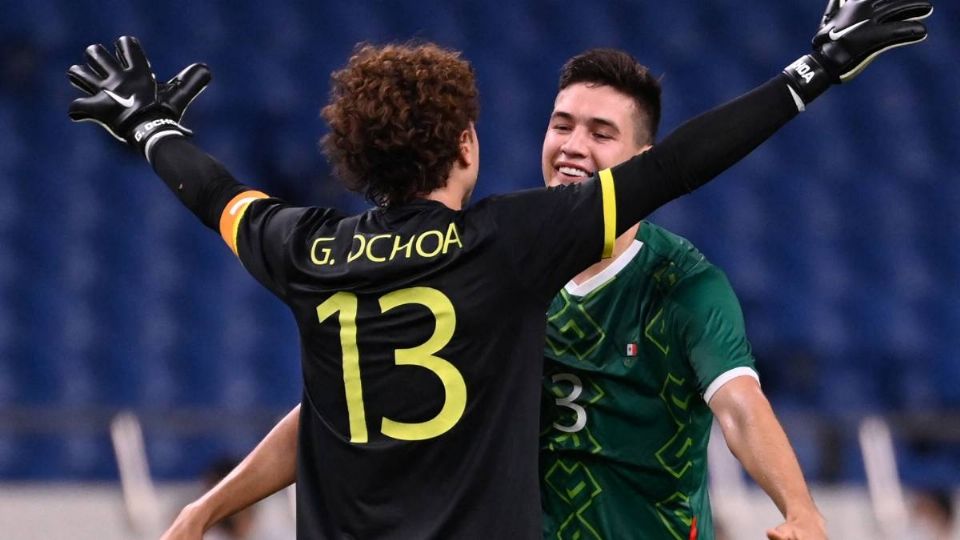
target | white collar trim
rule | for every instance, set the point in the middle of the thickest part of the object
(606, 274)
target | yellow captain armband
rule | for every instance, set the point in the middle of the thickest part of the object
(609, 196)
(233, 213)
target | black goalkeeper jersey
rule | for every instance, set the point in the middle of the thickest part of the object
(421, 334)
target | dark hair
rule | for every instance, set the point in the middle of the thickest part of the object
(622, 72)
(396, 113)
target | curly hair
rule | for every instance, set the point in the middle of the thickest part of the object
(396, 113)
(622, 72)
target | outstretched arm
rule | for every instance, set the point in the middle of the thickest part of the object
(270, 467)
(756, 438)
(851, 35)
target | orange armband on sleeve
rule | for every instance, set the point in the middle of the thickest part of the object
(233, 213)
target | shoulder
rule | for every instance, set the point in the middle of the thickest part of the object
(267, 204)
(684, 274)
(670, 246)
(676, 263)
(277, 217)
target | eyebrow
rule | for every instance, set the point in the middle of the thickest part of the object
(592, 120)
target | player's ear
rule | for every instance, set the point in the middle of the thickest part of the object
(468, 146)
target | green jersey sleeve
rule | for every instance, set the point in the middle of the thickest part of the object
(709, 325)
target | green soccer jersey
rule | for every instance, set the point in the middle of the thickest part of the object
(633, 355)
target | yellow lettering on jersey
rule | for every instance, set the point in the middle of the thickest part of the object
(233, 213)
(363, 242)
(370, 243)
(324, 251)
(398, 246)
(427, 244)
(453, 238)
(420, 247)
(608, 194)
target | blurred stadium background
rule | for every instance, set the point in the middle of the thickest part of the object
(841, 236)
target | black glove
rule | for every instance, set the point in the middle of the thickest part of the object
(124, 98)
(852, 34)
(179, 92)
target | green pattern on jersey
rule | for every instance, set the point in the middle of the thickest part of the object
(624, 425)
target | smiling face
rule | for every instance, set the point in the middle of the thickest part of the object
(592, 127)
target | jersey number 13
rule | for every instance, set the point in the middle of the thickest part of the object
(423, 355)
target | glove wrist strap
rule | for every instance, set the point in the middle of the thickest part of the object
(148, 133)
(808, 78)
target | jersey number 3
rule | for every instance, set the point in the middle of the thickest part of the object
(570, 401)
(345, 303)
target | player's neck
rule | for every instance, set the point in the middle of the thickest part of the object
(456, 193)
(449, 198)
(619, 246)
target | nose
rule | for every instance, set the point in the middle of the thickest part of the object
(575, 144)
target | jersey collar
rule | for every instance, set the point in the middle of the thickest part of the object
(606, 274)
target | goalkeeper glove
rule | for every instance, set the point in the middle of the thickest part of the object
(123, 95)
(179, 92)
(852, 34)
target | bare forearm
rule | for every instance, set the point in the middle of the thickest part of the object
(756, 438)
(270, 467)
(762, 447)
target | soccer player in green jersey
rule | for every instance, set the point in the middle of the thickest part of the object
(643, 350)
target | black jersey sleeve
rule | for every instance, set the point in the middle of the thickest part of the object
(261, 239)
(270, 236)
(698, 151)
(551, 234)
(201, 182)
